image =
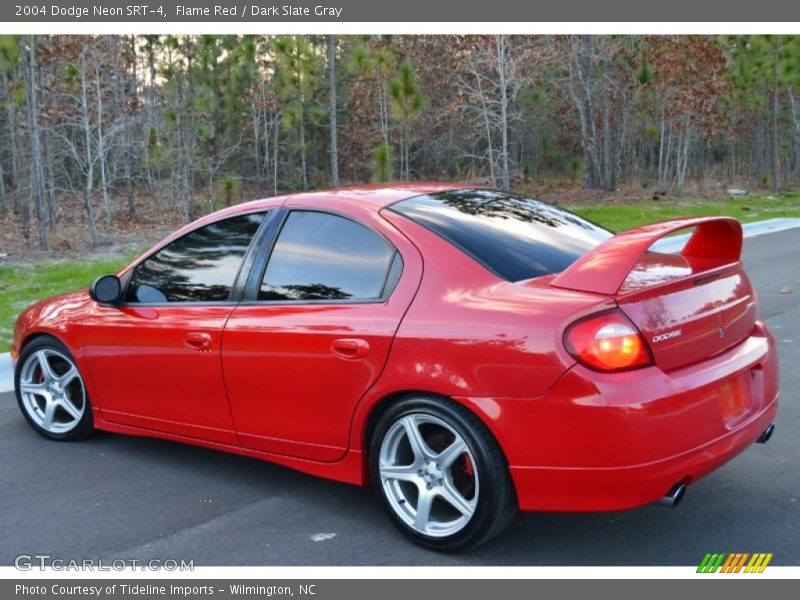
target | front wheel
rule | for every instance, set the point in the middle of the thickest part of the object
(440, 474)
(50, 391)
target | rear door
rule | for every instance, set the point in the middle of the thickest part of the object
(314, 331)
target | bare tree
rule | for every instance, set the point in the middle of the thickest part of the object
(492, 82)
(37, 172)
(10, 138)
(88, 131)
(582, 86)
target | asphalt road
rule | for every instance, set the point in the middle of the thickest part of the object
(122, 497)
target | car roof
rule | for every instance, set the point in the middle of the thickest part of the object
(370, 197)
(375, 196)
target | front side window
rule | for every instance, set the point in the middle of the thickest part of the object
(321, 256)
(201, 266)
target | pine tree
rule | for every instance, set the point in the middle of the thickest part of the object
(406, 102)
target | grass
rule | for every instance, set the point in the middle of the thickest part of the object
(619, 217)
(22, 285)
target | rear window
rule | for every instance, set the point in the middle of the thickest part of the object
(516, 238)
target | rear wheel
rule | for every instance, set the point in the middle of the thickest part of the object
(50, 391)
(440, 474)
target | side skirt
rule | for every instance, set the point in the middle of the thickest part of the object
(350, 469)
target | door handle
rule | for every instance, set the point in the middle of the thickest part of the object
(350, 348)
(197, 340)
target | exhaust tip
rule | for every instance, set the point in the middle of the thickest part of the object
(674, 496)
(766, 434)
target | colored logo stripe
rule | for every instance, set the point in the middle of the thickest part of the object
(710, 563)
(734, 562)
(758, 563)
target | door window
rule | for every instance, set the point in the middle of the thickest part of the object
(320, 256)
(201, 266)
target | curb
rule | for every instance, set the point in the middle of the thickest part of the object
(6, 373)
(750, 230)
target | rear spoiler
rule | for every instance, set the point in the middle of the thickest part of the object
(604, 269)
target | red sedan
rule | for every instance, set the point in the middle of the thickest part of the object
(468, 352)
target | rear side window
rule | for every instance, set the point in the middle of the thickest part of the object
(515, 238)
(321, 256)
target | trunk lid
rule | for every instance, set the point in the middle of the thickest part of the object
(689, 306)
(688, 309)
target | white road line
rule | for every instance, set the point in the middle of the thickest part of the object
(675, 243)
(672, 244)
(6, 373)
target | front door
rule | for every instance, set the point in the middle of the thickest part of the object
(154, 360)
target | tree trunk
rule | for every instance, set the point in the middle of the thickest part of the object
(152, 129)
(267, 153)
(591, 112)
(87, 205)
(275, 155)
(37, 173)
(3, 199)
(661, 179)
(581, 86)
(102, 152)
(47, 170)
(11, 116)
(51, 191)
(775, 111)
(762, 145)
(303, 166)
(488, 129)
(682, 157)
(383, 108)
(334, 151)
(186, 136)
(500, 42)
(402, 156)
(130, 135)
(796, 121)
(129, 190)
(607, 165)
(407, 135)
(256, 139)
(88, 158)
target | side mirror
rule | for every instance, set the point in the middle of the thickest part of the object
(106, 289)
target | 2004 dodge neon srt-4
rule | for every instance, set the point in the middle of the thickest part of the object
(468, 352)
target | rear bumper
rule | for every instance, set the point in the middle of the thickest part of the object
(623, 487)
(600, 442)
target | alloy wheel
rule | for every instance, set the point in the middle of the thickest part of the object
(429, 475)
(52, 391)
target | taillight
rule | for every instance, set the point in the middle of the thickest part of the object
(607, 342)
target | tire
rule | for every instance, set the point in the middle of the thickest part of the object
(52, 398)
(453, 466)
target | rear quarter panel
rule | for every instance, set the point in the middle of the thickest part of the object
(471, 336)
